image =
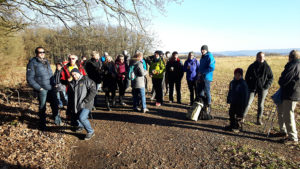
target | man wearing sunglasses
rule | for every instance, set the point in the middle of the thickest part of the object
(39, 75)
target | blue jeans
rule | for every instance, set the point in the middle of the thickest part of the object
(204, 90)
(43, 96)
(83, 120)
(136, 92)
(65, 96)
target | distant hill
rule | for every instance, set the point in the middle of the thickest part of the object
(250, 52)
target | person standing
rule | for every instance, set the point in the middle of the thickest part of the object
(39, 76)
(93, 68)
(191, 67)
(137, 75)
(289, 82)
(157, 70)
(73, 63)
(109, 81)
(237, 98)
(82, 92)
(59, 88)
(174, 74)
(205, 76)
(259, 78)
(121, 68)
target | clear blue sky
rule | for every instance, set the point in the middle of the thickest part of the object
(229, 25)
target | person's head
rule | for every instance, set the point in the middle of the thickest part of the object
(294, 54)
(120, 58)
(238, 73)
(96, 55)
(168, 54)
(125, 53)
(83, 58)
(58, 65)
(139, 56)
(105, 54)
(40, 52)
(156, 54)
(260, 57)
(73, 59)
(108, 58)
(191, 55)
(204, 49)
(75, 73)
(175, 55)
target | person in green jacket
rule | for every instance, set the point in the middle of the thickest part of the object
(156, 70)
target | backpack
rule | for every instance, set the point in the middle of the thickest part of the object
(131, 74)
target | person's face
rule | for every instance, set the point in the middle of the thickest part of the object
(168, 55)
(96, 56)
(191, 56)
(121, 59)
(175, 56)
(41, 53)
(58, 67)
(203, 52)
(84, 58)
(156, 55)
(108, 58)
(260, 58)
(237, 76)
(72, 60)
(75, 75)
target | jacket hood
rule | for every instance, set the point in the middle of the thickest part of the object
(133, 61)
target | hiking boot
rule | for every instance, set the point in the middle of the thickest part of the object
(123, 104)
(88, 136)
(259, 121)
(171, 101)
(145, 110)
(288, 141)
(157, 104)
(94, 108)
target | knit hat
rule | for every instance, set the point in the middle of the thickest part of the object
(204, 47)
(75, 70)
(238, 70)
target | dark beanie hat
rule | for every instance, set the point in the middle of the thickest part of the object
(75, 70)
(238, 70)
(204, 47)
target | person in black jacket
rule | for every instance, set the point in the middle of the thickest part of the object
(289, 82)
(60, 88)
(81, 92)
(259, 78)
(109, 81)
(39, 75)
(174, 74)
(93, 68)
(237, 98)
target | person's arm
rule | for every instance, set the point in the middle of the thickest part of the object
(229, 95)
(269, 79)
(181, 70)
(185, 66)
(162, 67)
(286, 76)
(211, 66)
(91, 91)
(30, 74)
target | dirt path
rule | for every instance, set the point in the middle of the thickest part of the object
(163, 138)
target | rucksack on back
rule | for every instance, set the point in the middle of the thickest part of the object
(131, 74)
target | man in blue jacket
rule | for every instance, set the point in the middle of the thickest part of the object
(39, 75)
(205, 75)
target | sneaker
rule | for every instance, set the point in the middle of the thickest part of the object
(88, 136)
(171, 101)
(123, 104)
(145, 110)
(79, 129)
(94, 108)
(279, 134)
(157, 104)
(137, 109)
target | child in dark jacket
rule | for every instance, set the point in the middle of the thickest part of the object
(121, 68)
(237, 98)
(60, 89)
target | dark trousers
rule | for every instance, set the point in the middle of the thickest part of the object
(157, 85)
(235, 111)
(113, 97)
(122, 88)
(178, 90)
(43, 97)
(192, 88)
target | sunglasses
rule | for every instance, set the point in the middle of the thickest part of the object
(42, 52)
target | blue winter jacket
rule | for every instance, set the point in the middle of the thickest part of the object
(191, 73)
(207, 66)
(39, 75)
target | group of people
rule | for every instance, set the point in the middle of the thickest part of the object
(76, 84)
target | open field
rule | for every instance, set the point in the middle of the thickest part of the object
(161, 138)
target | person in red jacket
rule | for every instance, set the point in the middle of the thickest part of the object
(121, 68)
